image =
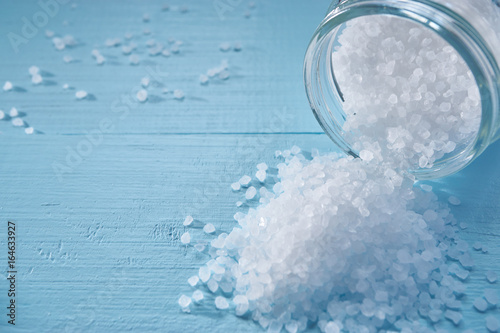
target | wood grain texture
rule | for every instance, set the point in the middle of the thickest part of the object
(98, 244)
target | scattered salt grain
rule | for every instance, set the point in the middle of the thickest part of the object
(477, 246)
(81, 94)
(8, 86)
(261, 175)
(178, 94)
(145, 81)
(209, 228)
(366, 155)
(58, 43)
(236, 186)
(193, 280)
(242, 305)
(186, 238)
(13, 112)
(2, 114)
(165, 53)
(224, 47)
(237, 47)
(204, 274)
(224, 75)
(238, 203)
(67, 59)
(17, 122)
(49, 33)
(480, 304)
(262, 166)
(454, 316)
(134, 59)
(184, 302)
(33, 70)
(188, 221)
(491, 296)
(213, 286)
(197, 296)
(221, 303)
(199, 247)
(36, 79)
(65, 86)
(29, 130)
(492, 324)
(245, 180)
(491, 276)
(142, 95)
(203, 79)
(250, 193)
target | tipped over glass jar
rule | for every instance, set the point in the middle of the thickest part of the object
(414, 81)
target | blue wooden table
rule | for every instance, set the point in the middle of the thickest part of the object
(99, 192)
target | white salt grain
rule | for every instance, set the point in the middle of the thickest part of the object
(197, 296)
(480, 304)
(17, 122)
(454, 316)
(199, 247)
(29, 130)
(184, 302)
(36, 79)
(209, 228)
(134, 59)
(204, 274)
(203, 79)
(81, 94)
(262, 166)
(261, 175)
(186, 238)
(492, 324)
(491, 296)
(145, 81)
(67, 59)
(491, 276)
(236, 186)
(245, 180)
(193, 280)
(178, 94)
(332, 327)
(221, 303)
(13, 112)
(8, 86)
(33, 70)
(250, 193)
(213, 286)
(224, 47)
(142, 95)
(188, 220)
(2, 114)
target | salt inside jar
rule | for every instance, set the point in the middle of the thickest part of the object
(415, 81)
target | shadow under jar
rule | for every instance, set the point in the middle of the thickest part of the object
(416, 80)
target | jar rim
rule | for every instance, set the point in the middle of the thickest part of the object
(452, 27)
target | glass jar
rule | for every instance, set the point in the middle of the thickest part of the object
(470, 27)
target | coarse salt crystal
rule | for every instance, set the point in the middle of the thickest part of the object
(209, 228)
(81, 94)
(142, 95)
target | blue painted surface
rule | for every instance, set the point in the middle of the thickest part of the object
(98, 246)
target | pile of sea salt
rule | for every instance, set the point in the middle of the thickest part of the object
(352, 244)
(349, 244)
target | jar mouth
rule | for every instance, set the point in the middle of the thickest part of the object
(326, 98)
